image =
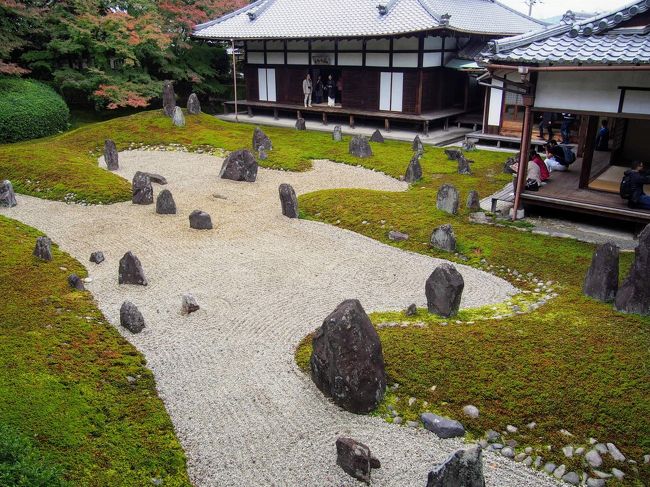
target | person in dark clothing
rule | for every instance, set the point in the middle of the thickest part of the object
(565, 129)
(330, 87)
(318, 91)
(638, 198)
(546, 122)
(602, 139)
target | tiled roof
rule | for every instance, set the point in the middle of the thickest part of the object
(472, 50)
(597, 40)
(282, 19)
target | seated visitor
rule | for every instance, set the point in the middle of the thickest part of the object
(555, 158)
(535, 158)
(632, 187)
(602, 139)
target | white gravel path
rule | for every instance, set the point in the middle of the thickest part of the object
(244, 413)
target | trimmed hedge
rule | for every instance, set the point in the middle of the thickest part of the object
(29, 110)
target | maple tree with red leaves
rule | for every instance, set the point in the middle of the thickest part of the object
(113, 53)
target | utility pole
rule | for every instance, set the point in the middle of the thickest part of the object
(530, 4)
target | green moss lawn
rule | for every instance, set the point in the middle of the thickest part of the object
(77, 404)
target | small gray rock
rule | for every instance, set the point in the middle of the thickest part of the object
(412, 310)
(646, 458)
(571, 478)
(453, 154)
(496, 446)
(43, 248)
(559, 472)
(165, 204)
(7, 194)
(508, 452)
(471, 411)
(131, 318)
(414, 170)
(443, 238)
(178, 119)
(549, 468)
(288, 201)
(473, 201)
(580, 450)
(200, 220)
(528, 461)
(615, 452)
(601, 448)
(447, 199)
(396, 236)
(568, 451)
(193, 105)
(360, 147)
(76, 283)
(595, 482)
(442, 427)
(189, 304)
(538, 462)
(97, 257)
(337, 134)
(397, 420)
(492, 436)
(300, 124)
(130, 270)
(111, 157)
(469, 145)
(156, 178)
(619, 474)
(142, 189)
(511, 429)
(444, 289)
(377, 137)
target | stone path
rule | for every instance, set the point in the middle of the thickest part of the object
(243, 411)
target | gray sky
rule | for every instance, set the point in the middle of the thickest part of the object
(551, 8)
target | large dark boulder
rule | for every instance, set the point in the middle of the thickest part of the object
(444, 289)
(43, 248)
(360, 147)
(634, 294)
(601, 281)
(447, 199)
(442, 427)
(111, 157)
(200, 220)
(355, 459)
(463, 468)
(417, 145)
(288, 201)
(165, 204)
(193, 105)
(347, 362)
(414, 170)
(131, 318)
(377, 137)
(473, 201)
(239, 166)
(261, 140)
(142, 189)
(443, 238)
(169, 99)
(337, 134)
(178, 119)
(300, 124)
(130, 270)
(463, 166)
(7, 195)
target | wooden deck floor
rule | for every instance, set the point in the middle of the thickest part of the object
(562, 192)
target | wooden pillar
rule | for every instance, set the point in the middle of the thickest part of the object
(298, 114)
(526, 134)
(425, 128)
(225, 108)
(466, 102)
(351, 121)
(588, 151)
(582, 135)
(324, 118)
(387, 125)
(275, 114)
(250, 111)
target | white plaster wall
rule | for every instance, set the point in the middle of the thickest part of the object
(379, 44)
(275, 57)
(350, 45)
(297, 58)
(405, 60)
(433, 42)
(431, 59)
(297, 45)
(377, 59)
(595, 91)
(350, 58)
(255, 57)
(405, 44)
(496, 97)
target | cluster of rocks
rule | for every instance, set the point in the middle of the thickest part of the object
(463, 163)
(601, 281)
(174, 112)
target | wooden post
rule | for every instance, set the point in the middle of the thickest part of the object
(351, 121)
(425, 128)
(225, 108)
(275, 114)
(234, 77)
(387, 125)
(324, 118)
(588, 151)
(526, 134)
(298, 115)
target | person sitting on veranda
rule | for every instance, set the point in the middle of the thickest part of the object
(638, 177)
(536, 172)
(555, 157)
(535, 158)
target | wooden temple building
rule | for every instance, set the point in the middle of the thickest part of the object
(395, 60)
(598, 69)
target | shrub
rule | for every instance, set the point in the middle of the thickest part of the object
(21, 465)
(29, 110)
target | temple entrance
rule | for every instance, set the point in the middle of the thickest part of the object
(324, 72)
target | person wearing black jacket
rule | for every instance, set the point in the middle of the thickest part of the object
(639, 177)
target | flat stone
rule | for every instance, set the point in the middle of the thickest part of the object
(559, 472)
(97, 257)
(549, 468)
(444, 289)
(615, 452)
(178, 119)
(442, 427)
(595, 482)
(447, 199)
(43, 249)
(571, 478)
(602, 475)
(471, 411)
(142, 189)
(414, 170)
(360, 147)
(240, 165)
(377, 137)
(496, 446)
(601, 282)
(601, 448)
(511, 429)
(165, 204)
(288, 201)
(462, 468)
(396, 236)
(200, 220)
(189, 304)
(193, 104)
(131, 318)
(619, 474)
(492, 436)
(130, 270)
(453, 154)
(300, 124)
(156, 178)
(528, 461)
(76, 283)
(508, 452)
(528, 450)
(580, 450)
(111, 157)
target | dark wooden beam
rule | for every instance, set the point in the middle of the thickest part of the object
(588, 152)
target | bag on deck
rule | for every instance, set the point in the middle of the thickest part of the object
(569, 155)
(626, 187)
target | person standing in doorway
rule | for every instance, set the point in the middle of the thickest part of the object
(331, 91)
(307, 89)
(565, 129)
(546, 122)
(602, 139)
(318, 91)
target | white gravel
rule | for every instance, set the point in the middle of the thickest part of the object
(243, 411)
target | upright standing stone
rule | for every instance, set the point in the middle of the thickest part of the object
(634, 295)
(473, 201)
(142, 189)
(178, 119)
(7, 195)
(110, 155)
(463, 166)
(377, 137)
(417, 145)
(355, 458)
(443, 238)
(447, 199)
(444, 289)
(200, 220)
(337, 134)
(414, 170)
(131, 318)
(300, 124)
(193, 105)
(165, 204)
(76, 283)
(601, 281)
(261, 140)
(130, 270)
(189, 304)
(239, 166)
(43, 248)
(347, 362)
(360, 147)
(453, 154)
(462, 468)
(469, 145)
(288, 201)
(169, 99)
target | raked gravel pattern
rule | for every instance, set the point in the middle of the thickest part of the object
(243, 411)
